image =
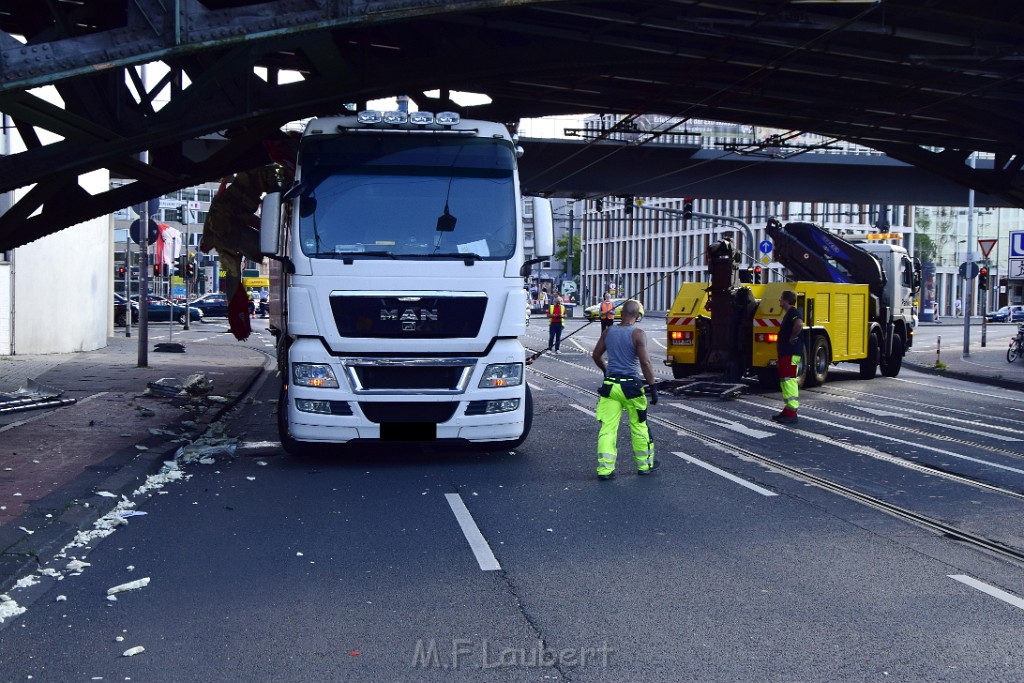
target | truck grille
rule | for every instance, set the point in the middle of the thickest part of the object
(409, 317)
(422, 375)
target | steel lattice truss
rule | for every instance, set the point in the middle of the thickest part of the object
(926, 81)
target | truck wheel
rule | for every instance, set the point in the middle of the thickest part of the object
(290, 445)
(869, 366)
(818, 362)
(891, 366)
(527, 424)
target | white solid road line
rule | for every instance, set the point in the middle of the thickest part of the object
(722, 473)
(997, 593)
(484, 557)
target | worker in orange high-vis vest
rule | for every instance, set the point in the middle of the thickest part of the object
(556, 321)
(607, 311)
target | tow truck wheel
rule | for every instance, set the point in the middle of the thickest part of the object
(891, 366)
(869, 366)
(818, 362)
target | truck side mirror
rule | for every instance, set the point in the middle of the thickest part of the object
(543, 228)
(270, 216)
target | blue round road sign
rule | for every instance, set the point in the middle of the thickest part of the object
(136, 228)
(765, 246)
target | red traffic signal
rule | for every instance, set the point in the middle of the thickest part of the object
(757, 275)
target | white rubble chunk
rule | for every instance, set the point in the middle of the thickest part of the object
(130, 586)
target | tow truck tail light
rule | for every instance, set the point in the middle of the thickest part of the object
(768, 337)
(684, 338)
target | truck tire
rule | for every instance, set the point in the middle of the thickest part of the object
(891, 365)
(869, 366)
(527, 424)
(290, 445)
(818, 361)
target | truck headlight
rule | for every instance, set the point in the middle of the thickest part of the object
(314, 375)
(502, 375)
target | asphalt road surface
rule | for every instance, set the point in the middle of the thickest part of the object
(851, 547)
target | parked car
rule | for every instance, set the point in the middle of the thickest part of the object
(160, 309)
(212, 305)
(1011, 314)
(594, 312)
(121, 310)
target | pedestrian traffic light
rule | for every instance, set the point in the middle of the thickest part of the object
(628, 206)
(181, 214)
(983, 279)
(757, 275)
(687, 209)
(599, 202)
(190, 269)
(156, 270)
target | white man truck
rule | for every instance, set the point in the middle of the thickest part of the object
(398, 264)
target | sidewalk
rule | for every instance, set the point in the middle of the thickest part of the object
(985, 365)
(53, 461)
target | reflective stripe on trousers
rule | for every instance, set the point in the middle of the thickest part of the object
(609, 413)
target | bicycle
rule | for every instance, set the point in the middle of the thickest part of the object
(1016, 346)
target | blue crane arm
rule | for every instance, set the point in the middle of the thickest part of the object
(812, 253)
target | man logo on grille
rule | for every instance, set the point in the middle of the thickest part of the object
(409, 318)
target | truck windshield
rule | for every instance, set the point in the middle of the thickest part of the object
(407, 196)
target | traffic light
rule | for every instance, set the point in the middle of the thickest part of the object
(156, 270)
(190, 269)
(120, 271)
(628, 206)
(687, 209)
(181, 214)
(757, 275)
(599, 203)
(983, 279)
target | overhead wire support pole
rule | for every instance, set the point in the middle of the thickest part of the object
(969, 281)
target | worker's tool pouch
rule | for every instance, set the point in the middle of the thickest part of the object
(630, 386)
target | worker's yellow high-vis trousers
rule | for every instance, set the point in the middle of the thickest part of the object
(618, 394)
(787, 381)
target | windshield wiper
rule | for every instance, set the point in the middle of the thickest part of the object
(465, 256)
(350, 254)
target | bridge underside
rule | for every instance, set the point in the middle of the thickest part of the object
(925, 81)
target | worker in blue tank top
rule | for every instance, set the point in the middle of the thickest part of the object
(626, 347)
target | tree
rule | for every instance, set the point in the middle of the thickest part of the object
(562, 252)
